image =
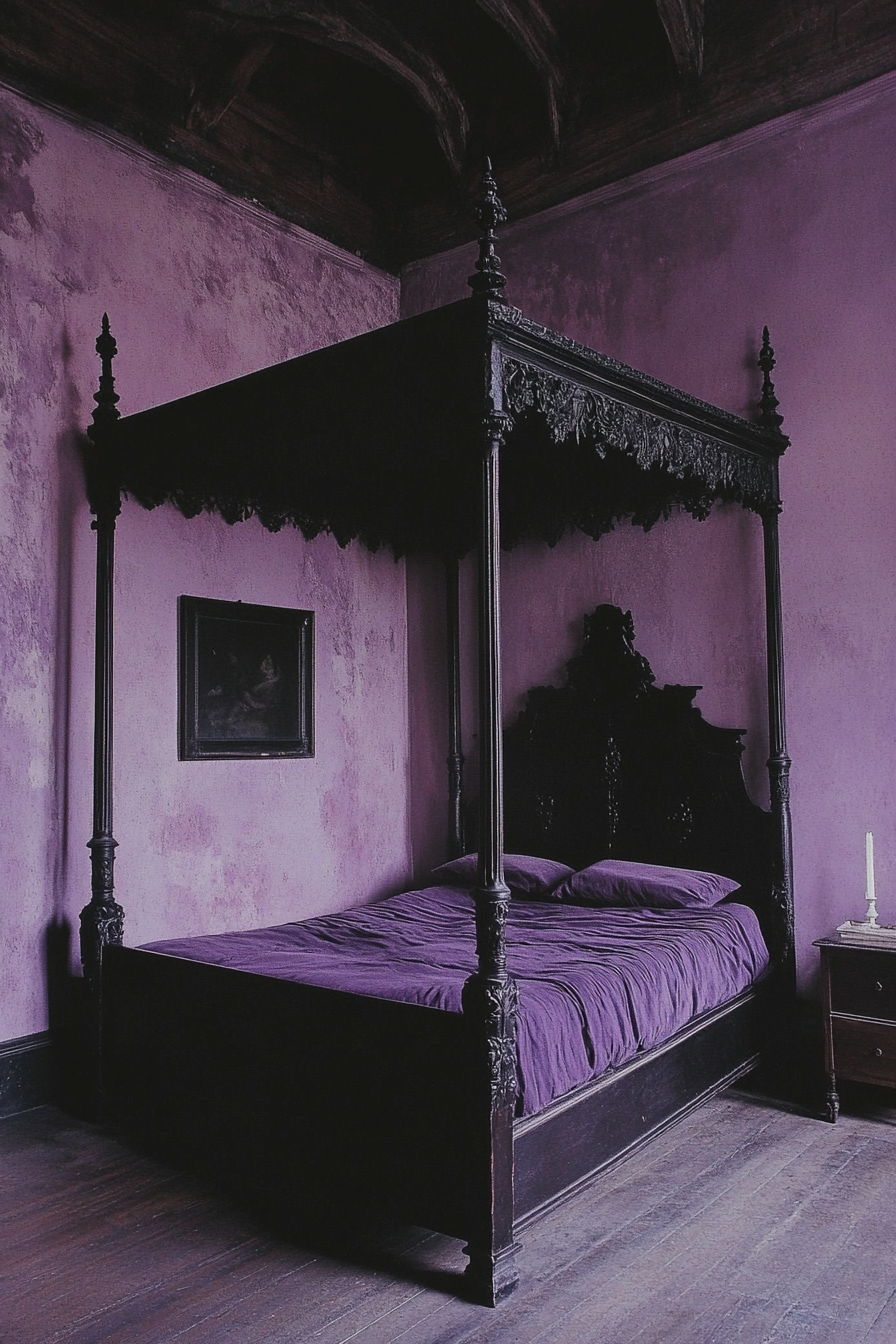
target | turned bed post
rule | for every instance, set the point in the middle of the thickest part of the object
(102, 920)
(778, 762)
(455, 760)
(490, 995)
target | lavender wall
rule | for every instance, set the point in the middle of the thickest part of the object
(199, 288)
(676, 271)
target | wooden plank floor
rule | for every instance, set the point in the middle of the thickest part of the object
(746, 1224)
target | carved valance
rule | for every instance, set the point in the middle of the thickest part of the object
(573, 411)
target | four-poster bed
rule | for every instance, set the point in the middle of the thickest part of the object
(334, 1094)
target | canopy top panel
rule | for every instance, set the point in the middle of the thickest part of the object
(380, 438)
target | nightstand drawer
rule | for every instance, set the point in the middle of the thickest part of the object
(865, 1051)
(864, 983)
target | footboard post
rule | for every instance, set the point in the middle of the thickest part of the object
(490, 995)
(779, 762)
(103, 918)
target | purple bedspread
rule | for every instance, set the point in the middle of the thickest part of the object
(596, 986)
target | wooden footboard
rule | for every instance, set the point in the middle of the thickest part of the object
(306, 1098)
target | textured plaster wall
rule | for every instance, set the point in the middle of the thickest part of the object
(199, 288)
(675, 272)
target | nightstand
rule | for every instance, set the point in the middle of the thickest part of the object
(859, 1001)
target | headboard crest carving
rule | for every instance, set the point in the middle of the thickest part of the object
(609, 662)
(609, 763)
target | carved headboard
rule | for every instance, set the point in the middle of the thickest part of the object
(610, 764)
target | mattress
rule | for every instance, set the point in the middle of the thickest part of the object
(596, 985)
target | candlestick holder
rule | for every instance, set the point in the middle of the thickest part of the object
(870, 921)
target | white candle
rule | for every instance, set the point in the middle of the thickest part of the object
(869, 866)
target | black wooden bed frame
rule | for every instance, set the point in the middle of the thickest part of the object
(329, 1099)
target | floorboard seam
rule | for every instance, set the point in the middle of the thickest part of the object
(383, 1316)
(95, 1317)
(873, 1325)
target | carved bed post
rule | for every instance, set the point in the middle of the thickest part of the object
(490, 995)
(779, 761)
(455, 744)
(102, 919)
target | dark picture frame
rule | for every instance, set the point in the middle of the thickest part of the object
(245, 680)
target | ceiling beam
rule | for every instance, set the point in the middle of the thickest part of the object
(530, 27)
(355, 29)
(226, 75)
(683, 22)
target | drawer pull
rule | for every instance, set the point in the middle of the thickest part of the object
(878, 1052)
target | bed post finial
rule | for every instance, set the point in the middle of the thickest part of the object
(488, 282)
(106, 397)
(768, 403)
(102, 486)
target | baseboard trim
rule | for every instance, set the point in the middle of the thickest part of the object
(26, 1073)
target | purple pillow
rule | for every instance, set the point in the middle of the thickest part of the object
(615, 882)
(525, 876)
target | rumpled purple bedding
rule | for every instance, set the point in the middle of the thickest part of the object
(596, 985)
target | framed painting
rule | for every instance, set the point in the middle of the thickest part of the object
(246, 678)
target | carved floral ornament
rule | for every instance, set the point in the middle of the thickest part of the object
(572, 411)
(493, 1002)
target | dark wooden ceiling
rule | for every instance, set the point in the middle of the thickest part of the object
(367, 121)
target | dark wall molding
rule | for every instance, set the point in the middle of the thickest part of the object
(26, 1073)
